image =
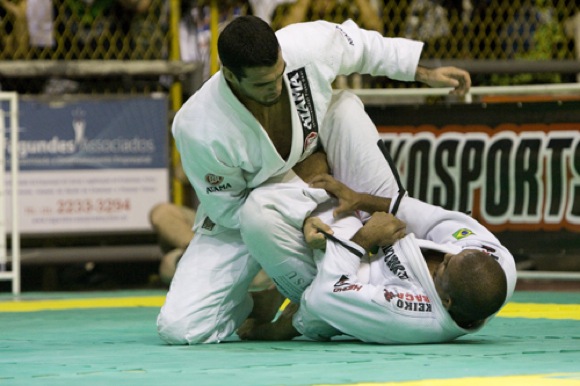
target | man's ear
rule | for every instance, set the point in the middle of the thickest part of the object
(230, 77)
(446, 303)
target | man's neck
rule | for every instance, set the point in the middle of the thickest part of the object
(433, 259)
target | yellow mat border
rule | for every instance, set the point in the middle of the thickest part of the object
(554, 379)
(68, 304)
(511, 310)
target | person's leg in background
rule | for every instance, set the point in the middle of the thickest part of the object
(173, 225)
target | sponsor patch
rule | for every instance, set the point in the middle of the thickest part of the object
(404, 301)
(304, 102)
(343, 285)
(342, 281)
(462, 233)
(221, 188)
(394, 264)
(208, 224)
(212, 179)
(310, 141)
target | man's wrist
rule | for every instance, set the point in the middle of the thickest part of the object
(421, 74)
(362, 241)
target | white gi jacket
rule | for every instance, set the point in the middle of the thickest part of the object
(225, 152)
(394, 300)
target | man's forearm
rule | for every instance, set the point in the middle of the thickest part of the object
(371, 204)
(382, 229)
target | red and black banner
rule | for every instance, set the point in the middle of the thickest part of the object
(514, 166)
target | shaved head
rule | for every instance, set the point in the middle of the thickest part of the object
(477, 286)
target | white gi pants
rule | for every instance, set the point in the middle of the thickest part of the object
(208, 297)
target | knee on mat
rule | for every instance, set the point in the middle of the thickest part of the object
(177, 331)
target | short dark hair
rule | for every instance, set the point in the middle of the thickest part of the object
(247, 41)
(481, 289)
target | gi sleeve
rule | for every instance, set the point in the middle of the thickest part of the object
(348, 49)
(219, 184)
(365, 311)
(368, 52)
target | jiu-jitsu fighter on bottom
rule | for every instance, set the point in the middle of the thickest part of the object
(447, 277)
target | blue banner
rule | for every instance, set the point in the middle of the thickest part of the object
(93, 134)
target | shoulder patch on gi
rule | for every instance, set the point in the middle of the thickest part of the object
(216, 184)
(462, 233)
(212, 179)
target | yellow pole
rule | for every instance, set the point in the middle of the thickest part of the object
(175, 94)
(214, 28)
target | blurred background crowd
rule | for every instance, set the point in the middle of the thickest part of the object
(142, 30)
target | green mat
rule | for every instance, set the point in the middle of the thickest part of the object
(119, 346)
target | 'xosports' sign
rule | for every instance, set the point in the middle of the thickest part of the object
(516, 167)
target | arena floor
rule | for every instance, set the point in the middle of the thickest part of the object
(109, 338)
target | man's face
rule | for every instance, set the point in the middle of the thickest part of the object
(262, 84)
(448, 270)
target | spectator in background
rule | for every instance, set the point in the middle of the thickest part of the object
(26, 32)
(531, 32)
(31, 27)
(101, 28)
(427, 19)
(364, 12)
(40, 23)
(137, 6)
(195, 29)
(265, 9)
(173, 225)
(442, 24)
(95, 30)
(15, 45)
(518, 34)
